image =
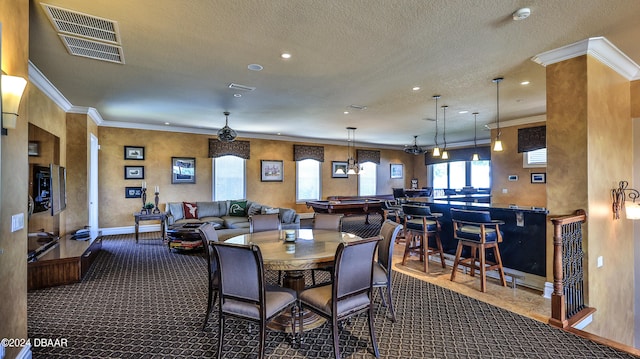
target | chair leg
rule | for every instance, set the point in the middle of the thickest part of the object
(220, 334)
(393, 312)
(440, 250)
(483, 269)
(456, 261)
(313, 277)
(382, 298)
(372, 333)
(407, 246)
(424, 251)
(263, 334)
(210, 300)
(496, 253)
(336, 337)
(474, 258)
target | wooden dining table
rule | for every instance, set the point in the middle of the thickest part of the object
(311, 249)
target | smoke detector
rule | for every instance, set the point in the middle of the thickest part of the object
(522, 14)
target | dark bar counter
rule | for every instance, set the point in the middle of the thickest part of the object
(524, 233)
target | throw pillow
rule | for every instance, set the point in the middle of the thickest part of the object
(254, 209)
(238, 208)
(267, 210)
(190, 210)
(287, 215)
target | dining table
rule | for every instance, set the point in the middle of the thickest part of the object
(304, 250)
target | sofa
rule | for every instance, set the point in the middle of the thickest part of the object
(232, 215)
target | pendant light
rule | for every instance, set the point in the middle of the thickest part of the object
(436, 149)
(415, 149)
(475, 137)
(352, 166)
(497, 146)
(226, 134)
(445, 154)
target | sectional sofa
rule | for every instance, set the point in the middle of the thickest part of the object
(232, 216)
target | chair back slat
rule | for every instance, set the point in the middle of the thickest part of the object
(264, 222)
(354, 267)
(241, 271)
(413, 210)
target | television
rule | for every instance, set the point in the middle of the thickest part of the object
(41, 188)
(58, 188)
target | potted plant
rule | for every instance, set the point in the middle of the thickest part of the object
(148, 207)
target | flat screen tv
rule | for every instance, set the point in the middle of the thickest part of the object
(58, 189)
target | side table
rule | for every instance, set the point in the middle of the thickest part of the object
(162, 217)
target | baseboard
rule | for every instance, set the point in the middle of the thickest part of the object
(548, 290)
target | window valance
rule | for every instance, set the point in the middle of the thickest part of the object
(304, 152)
(235, 148)
(532, 138)
(459, 154)
(363, 156)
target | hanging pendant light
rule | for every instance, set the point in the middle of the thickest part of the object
(226, 134)
(436, 149)
(497, 146)
(475, 137)
(415, 149)
(352, 166)
(445, 154)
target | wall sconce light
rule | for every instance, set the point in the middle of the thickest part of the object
(619, 196)
(12, 88)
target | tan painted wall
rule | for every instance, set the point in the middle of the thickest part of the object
(14, 17)
(635, 99)
(509, 162)
(589, 145)
(78, 154)
(160, 146)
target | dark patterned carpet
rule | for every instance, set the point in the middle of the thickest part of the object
(144, 301)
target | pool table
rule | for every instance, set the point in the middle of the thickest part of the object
(348, 207)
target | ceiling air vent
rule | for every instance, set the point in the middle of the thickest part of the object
(93, 49)
(83, 25)
(241, 87)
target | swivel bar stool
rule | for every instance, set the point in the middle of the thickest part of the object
(420, 225)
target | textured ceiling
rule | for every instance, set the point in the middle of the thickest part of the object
(180, 57)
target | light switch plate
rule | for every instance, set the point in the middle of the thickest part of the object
(17, 222)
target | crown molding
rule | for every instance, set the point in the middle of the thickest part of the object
(598, 47)
(518, 122)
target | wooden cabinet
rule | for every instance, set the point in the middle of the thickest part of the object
(65, 264)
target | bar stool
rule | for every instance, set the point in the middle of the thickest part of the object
(476, 230)
(419, 225)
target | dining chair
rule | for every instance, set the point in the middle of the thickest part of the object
(264, 222)
(328, 221)
(477, 231)
(243, 293)
(393, 211)
(382, 266)
(350, 292)
(208, 235)
(420, 225)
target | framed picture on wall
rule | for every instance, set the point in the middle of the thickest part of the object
(34, 148)
(132, 192)
(396, 170)
(339, 169)
(538, 178)
(133, 153)
(183, 170)
(271, 171)
(133, 172)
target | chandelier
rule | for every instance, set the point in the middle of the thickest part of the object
(226, 134)
(415, 149)
(353, 167)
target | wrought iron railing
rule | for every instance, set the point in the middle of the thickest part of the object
(568, 298)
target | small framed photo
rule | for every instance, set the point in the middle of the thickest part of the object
(396, 170)
(132, 192)
(339, 169)
(271, 171)
(183, 170)
(133, 172)
(34, 148)
(538, 178)
(133, 153)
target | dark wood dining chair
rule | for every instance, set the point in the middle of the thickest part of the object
(420, 225)
(393, 211)
(243, 293)
(328, 221)
(382, 267)
(350, 292)
(264, 222)
(208, 235)
(477, 231)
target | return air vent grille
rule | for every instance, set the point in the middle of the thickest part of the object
(83, 25)
(92, 49)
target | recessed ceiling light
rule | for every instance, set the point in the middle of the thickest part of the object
(237, 95)
(524, 83)
(463, 111)
(416, 88)
(521, 14)
(167, 123)
(285, 55)
(255, 67)
(346, 112)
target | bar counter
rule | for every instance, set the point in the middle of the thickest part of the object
(523, 248)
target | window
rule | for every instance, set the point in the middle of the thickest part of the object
(307, 180)
(455, 175)
(228, 178)
(367, 179)
(535, 158)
